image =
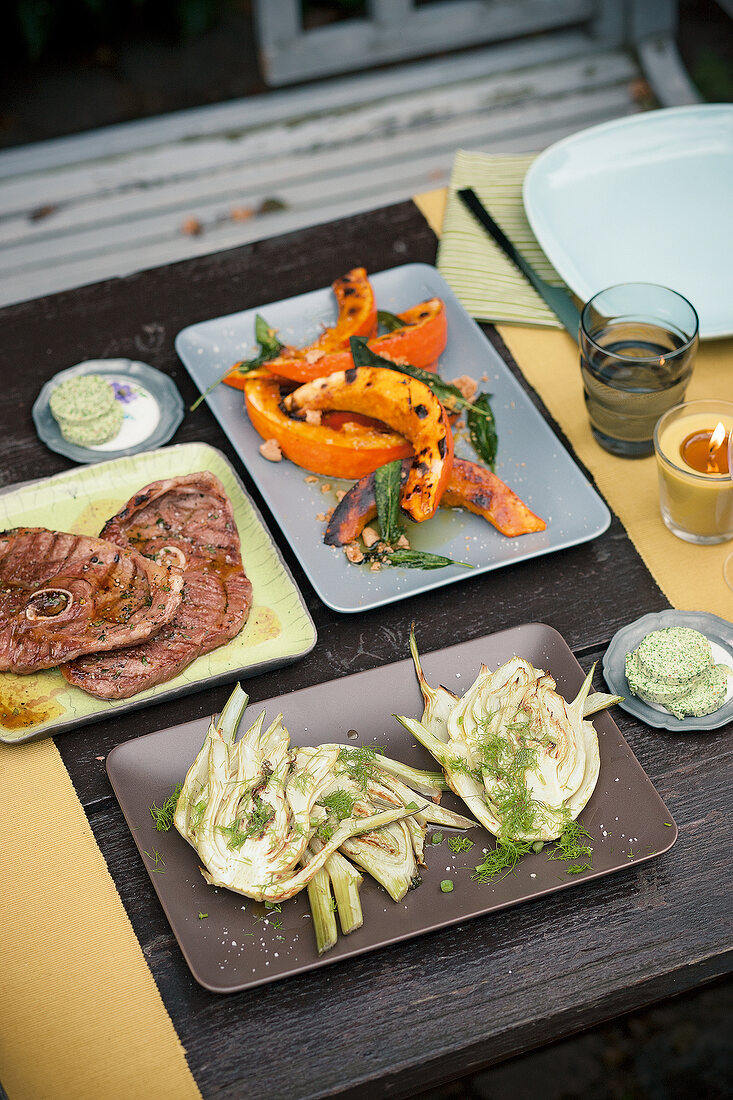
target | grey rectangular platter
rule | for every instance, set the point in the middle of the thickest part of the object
(531, 459)
(237, 945)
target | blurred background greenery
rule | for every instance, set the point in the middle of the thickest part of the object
(42, 28)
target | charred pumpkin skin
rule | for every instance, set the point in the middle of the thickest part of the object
(420, 342)
(334, 452)
(470, 486)
(357, 316)
(404, 404)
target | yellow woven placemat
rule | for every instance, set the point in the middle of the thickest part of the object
(80, 1015)
(691, 577)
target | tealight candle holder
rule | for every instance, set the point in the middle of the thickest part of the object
(695, 486)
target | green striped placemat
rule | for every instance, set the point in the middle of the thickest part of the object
(488, 284)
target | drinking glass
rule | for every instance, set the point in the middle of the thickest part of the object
(637, 349)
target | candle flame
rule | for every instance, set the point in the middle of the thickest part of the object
(717, 437)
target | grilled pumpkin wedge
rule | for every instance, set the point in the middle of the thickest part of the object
(347, 450)
(357, 316)
(404, 404)
(420, 341)
(470, 486)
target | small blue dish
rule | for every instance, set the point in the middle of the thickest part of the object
(153, 409)
(719, 633)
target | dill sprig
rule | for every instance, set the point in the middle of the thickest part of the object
(460, 844)
(504, 857)
(199, 810)
(163, 815)
(338, 802)
(360, 763)
(252, 825)
(570, 845)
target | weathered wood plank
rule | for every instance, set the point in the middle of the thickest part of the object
(400, 166)
(276, 107)
(147, 243)
(493, 101)
(414, 152)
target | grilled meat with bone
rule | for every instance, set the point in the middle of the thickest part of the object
(64, 595)
(187, 521)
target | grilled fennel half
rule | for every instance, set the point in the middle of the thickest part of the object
(523, 759)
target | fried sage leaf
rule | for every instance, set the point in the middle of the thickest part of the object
(482, 429)
(269, 346)
(387, 486)
(390, 322)
(448, 395)
(421, 559)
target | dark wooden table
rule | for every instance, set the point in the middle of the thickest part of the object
(402, 1019)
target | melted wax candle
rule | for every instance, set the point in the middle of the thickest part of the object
(707, 451)
(695, 488)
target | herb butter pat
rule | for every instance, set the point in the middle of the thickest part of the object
(86, 410)
(674, 669)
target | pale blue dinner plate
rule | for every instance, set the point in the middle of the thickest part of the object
(531, 459)
(648, 198)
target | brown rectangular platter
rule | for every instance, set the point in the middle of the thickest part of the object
(232, 943)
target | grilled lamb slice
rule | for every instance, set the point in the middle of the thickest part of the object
(188, 521)
(64, 595)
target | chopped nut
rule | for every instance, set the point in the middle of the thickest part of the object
(466, 385)
(313, 416)
(375, 567)
(353, 553)
(340, 494)
(403, 543)
(311, 479)
(270, 450)
(370, 536)
(313, 355)
(321, 517)
(241, 213)
(326, 487)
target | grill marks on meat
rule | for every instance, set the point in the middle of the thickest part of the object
(64, 595)
(187, 521)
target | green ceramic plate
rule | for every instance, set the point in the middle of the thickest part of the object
(279, 629)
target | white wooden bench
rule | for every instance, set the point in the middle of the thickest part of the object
(128, 197)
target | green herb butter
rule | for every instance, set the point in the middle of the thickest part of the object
(86, 410)
(674, 668)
